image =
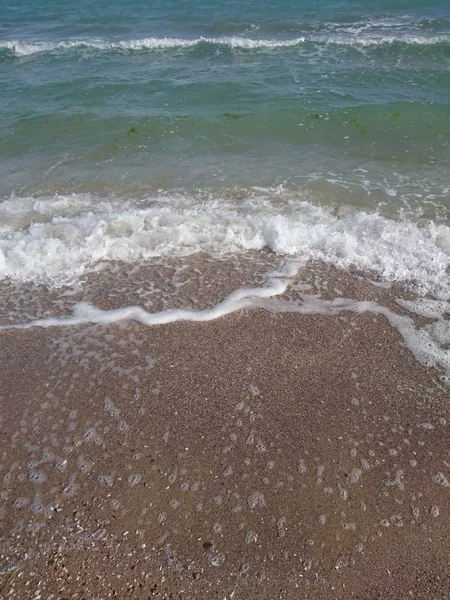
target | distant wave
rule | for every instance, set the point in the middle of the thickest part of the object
(23, 48)
(27, 48)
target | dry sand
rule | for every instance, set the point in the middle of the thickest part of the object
(259, 456)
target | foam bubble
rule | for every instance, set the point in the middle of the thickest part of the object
(440, 479)
(71, 487)
(84, 465)
(434, 511)
(134, 479)
(91, 435)
(37, 477)
(397, 250)
(37, 506)
(251, 537)
(216, 560)
(21, 502)
(256, 500)
(112, 410)
(106, 480)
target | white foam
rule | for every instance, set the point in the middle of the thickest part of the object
(84, 312)
(384, 40)
(425, 307)
(22, 48)
(54, 240)
(352, 37)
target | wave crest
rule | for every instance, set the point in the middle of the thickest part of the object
(22, 48)
(26, 49)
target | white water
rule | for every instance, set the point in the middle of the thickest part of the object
(23, 48)
(55, 240)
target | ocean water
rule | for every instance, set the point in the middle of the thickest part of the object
(137, 130)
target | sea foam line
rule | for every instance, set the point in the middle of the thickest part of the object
(23, 48)
(85, 312)
(426, 347)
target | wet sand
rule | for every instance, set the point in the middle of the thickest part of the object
(260, 455)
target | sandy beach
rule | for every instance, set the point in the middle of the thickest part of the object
(261, 455)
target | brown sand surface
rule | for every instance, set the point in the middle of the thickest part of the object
(260, 455)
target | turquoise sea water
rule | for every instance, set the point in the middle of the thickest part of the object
(106, 107)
